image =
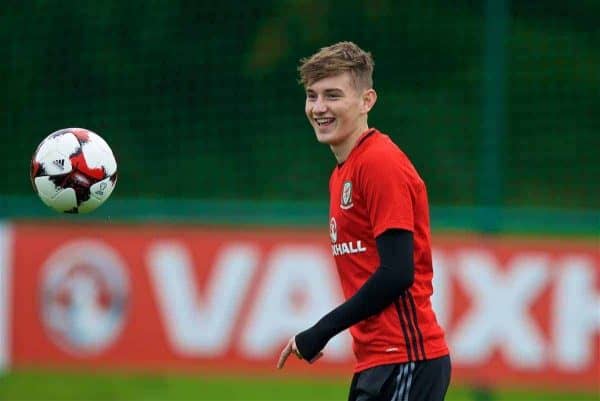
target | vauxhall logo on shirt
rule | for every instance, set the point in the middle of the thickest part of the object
(333, 230)
(343, 248)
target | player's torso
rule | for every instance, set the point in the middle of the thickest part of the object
(406, 330)
(352, 242)
(351, 230)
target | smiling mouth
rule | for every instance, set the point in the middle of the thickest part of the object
(324, 122)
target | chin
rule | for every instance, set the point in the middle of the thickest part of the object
(328, 138)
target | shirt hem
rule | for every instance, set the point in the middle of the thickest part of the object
(397, 359)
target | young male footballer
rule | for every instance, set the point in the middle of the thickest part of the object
(380, 236)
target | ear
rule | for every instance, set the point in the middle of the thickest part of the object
(369, 97)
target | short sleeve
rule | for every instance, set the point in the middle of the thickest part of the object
(387, 193)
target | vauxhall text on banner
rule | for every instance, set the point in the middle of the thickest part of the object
(520, 311)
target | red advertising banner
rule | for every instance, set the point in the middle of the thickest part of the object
(515, 311)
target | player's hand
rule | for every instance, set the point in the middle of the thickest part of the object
(291, 348)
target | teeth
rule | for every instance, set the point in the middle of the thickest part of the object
(322, 121)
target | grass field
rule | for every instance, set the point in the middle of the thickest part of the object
(45, 385)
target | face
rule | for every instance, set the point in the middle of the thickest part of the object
(336, 110)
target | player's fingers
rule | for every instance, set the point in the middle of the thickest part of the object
(319, 355)
(284, 356)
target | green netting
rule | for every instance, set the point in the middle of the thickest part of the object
(200, 100)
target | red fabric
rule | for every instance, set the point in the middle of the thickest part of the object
(377, 188)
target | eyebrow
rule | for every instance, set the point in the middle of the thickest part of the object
(327, 91)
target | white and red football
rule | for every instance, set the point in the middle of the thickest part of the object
(73, 170)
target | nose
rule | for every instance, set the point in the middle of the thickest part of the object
(319, 106)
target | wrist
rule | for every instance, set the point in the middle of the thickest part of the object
(310, 342)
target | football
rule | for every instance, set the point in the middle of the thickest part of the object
(73, 170)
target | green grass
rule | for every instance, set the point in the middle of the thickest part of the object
(46, 385)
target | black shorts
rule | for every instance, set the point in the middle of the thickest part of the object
(410, 381)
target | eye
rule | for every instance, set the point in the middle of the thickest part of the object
(311, 96)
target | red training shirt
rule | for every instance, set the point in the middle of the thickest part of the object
(377, 188)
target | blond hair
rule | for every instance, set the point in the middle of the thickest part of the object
(337, 59)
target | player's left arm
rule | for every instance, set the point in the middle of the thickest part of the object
(394, 276)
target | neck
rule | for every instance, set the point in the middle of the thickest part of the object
(342, 150)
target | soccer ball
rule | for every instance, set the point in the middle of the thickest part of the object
(73, 170)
